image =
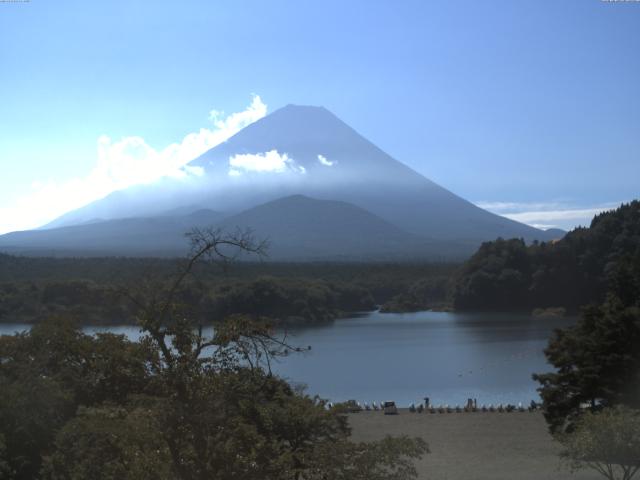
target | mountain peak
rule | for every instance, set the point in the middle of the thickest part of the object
(309, 108)
(304, 113)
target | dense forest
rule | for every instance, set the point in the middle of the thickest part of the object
(572, 272)
(104, 290)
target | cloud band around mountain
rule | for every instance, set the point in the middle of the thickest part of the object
(121, 164)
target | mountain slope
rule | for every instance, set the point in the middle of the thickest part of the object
(309, 151)
(136, 236)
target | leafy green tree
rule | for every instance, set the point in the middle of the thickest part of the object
(47, 373)
(109, 442)
(424, 294)
(288, 301)
(496, 277)
(32, 409)
(597, 364)
(607, 442)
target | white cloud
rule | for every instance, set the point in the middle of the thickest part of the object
(271, 161)
(542, 226)
(547, 215)
(195, 171)
(557, 216)
(120, 164)
(506, 207)
(323, 160)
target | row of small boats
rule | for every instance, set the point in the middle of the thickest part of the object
(500, 408)
(355, 406)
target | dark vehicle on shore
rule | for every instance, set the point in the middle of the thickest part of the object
(390, 408)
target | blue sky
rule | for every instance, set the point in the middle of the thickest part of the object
(523, 107)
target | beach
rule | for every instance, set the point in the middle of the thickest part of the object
(474, 446)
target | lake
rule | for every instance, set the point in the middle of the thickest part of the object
(448, 357)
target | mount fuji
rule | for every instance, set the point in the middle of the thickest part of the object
(299, 176)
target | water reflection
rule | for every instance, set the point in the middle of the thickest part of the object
(448, 357)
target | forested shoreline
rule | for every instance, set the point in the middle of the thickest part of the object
(578, 270)
(103, 291)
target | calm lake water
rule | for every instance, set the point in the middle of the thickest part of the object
(448, 357)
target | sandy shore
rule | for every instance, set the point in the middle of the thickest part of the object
(475, 446)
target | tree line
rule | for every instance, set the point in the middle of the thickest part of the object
(575, 271)
(93, 290)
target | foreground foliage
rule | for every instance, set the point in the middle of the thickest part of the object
(597, 364)
(607, 442)
(175, 404)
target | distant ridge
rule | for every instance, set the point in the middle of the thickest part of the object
(135, 236)
(303, 228)
(296, 227)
